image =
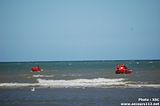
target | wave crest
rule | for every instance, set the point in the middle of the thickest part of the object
(82, 83)
(97, 82)
(42, 76)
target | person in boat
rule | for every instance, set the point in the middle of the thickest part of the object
(38, 68)
(117, 67)
(123, 67)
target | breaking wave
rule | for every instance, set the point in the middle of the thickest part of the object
(82, 83)
(97, 82)
(42, 76)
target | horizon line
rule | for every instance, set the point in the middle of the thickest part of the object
(81, 60)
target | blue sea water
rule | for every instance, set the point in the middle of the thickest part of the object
(77, 83)
(143, 71)
(75, 96)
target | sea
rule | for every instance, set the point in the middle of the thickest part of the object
(80, 83)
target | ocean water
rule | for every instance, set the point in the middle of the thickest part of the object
(68, 72)
(77, 83)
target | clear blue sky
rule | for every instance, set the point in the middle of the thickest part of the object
(42, 30)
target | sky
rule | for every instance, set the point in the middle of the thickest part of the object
(60, 30)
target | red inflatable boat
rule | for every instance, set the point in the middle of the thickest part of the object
(122, 69)
(36, 69)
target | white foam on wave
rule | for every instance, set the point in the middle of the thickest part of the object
(73, 75)
(150, 62)
(82, 83)
(18, 84)
(42, 76)
(143, 85)
(97, 82)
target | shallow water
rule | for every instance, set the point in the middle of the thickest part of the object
(74, 96)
